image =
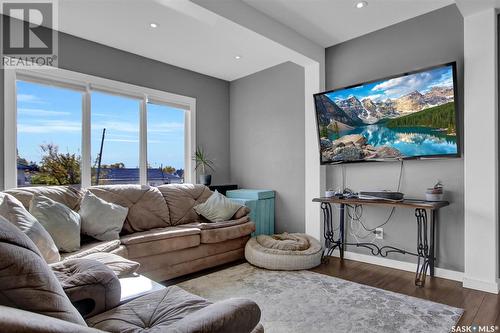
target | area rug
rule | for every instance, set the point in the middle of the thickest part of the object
(307, 302)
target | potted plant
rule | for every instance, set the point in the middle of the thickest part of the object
(202, 163)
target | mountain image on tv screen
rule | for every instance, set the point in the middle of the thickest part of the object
(403, 117)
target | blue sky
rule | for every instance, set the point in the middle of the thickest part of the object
(53, 115)
(400, 86)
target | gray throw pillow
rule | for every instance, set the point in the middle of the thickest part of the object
(217, 208)
(101, 219)
(62, 223)
(13, 211)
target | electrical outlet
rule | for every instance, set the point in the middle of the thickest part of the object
(379, 233)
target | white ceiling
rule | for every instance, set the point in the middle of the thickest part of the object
(187, 35)
(192, 37)
(329, 22)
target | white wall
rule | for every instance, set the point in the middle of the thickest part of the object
(311, 57)
(481, 151)
(267, 140)
(427, 40)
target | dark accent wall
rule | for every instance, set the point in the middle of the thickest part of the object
(267, 139)
(427, 40)
(212, 94)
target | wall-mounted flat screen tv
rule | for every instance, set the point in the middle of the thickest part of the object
(413, 115)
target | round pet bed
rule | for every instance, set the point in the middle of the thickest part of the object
(284, 251)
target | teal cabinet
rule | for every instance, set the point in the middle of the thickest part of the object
(261, 204)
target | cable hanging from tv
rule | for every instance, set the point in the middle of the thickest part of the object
(355, 212)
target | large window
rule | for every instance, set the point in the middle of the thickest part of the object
(67, 128)
(115, 139)
(49, 135)
(165, 144)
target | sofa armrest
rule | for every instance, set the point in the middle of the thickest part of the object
(231, 315)
(241, 212)
(91, 286)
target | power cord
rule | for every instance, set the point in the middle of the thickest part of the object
(358, 216)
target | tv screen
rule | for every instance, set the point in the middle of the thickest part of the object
(406, 116)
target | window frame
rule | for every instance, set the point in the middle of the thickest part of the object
(86, 84)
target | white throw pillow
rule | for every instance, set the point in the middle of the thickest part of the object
(62, 223)
(101, 219)
(217, 208)
(14, 211)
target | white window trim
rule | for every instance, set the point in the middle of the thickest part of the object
(86, 83)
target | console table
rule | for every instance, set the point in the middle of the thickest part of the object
(425, 230)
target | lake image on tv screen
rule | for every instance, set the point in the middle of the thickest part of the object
(407, 116)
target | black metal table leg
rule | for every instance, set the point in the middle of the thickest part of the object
(327, 230)
(432, 256)
(423, 252)
(341, 227)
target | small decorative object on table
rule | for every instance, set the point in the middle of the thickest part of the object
(330, 193)
(203, 161)
(435, 193)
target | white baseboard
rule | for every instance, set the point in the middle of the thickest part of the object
(487, 286)
(402, 265)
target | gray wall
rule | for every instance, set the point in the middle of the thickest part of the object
(267, 139)
(212, 95)
(427, 40)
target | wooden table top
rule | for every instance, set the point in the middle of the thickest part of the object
(408, 203)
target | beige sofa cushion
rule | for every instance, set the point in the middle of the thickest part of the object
(14, 320)
(181, 198)
(92, 246)
(158, 234)
(163, 240)
(66, 195)
(176, 310)
(146, 206)
(223, 234)
(154, 311)
(155, 262)
(119, 265)
(26, 281)
(85, 279)
(216, 225)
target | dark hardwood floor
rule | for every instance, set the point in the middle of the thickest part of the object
(480, 308)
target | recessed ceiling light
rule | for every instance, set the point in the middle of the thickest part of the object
(238, 57)
(153, 25)
(361, 4)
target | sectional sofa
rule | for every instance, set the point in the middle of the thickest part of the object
(34, 299)
(162, 231)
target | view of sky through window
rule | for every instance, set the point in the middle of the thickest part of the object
(49, 115)
(165, 136)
